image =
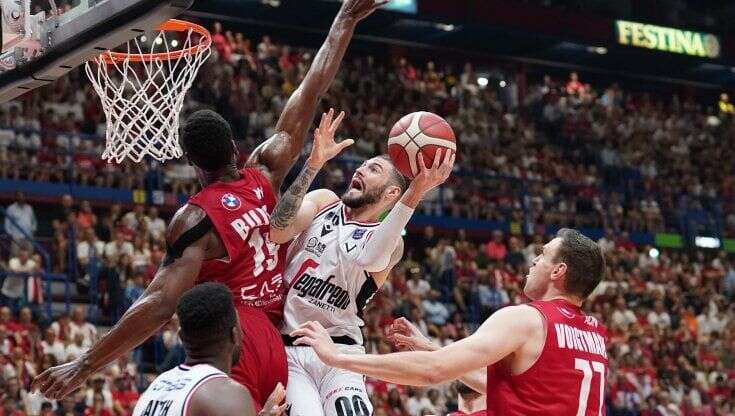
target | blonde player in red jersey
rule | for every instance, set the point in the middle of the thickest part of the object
(542, 358)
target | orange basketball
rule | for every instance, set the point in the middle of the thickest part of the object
(420, 133)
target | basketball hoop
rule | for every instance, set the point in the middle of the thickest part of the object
(142, 90)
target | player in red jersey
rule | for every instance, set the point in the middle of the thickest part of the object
(542, 358)
(222, 234)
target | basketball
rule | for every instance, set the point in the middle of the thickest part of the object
(418, 133)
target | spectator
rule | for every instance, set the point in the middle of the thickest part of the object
(156, 225)
(417, 286)
(491, 297)
(118, 247)
(80, 326)
(14, 283)
(135, 291)
(89, 248)
(20, 220)
(574, 86)
(496, 249)
(86, 218)
(132, 219)
(436, 312)
(52, 346)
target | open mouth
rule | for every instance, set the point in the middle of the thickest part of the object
(356, 184)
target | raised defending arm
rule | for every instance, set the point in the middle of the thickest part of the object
(279, 153)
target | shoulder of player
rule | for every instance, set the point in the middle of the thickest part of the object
(322, 198)
(222, 396)
(520, 318)
(186, 218)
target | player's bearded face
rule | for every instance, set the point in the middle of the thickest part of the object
(360, 194)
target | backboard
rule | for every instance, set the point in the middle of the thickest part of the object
(39, 48)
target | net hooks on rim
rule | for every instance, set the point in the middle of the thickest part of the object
(142, 91)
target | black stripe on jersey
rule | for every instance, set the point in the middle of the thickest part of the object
(326, 209)
(343, 217)
(367, 291)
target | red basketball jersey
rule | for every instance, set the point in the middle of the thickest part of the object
(253, 269)
(568, 378)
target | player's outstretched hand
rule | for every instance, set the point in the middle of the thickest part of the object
(360, 9)
(429, 178)
(406, 337)
(325, 148)
(313, 334)
(57, 382)
(271, 406)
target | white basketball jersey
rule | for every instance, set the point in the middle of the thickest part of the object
(324, 282)
(169, 394)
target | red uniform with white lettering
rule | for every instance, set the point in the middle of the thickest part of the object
(568, 378)
(240, 211)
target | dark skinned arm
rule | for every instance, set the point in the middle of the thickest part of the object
(151, 311)
(278, 154)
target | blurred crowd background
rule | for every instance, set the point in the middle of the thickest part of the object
(537, 153)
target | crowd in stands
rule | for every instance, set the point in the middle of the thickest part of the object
(549, 152)
(560, 153)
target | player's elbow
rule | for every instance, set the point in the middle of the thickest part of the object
(435, 374)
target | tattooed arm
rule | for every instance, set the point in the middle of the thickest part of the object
(296, 209)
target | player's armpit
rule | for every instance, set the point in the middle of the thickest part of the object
(222, 396)
(313, 203)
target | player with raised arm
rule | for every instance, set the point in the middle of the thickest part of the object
(341, 257)
(222, 234)
(542, 358)
(200, 386)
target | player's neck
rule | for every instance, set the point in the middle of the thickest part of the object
(367, 213)
(221, 363)
(574, 300)
(226, 174)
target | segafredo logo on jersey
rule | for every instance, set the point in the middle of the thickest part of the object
(230, 202)
(321, 293)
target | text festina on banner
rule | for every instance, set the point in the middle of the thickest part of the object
(667, 39)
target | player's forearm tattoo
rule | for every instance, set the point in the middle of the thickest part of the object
(285, 212)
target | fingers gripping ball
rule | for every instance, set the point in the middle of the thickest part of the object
(418, 133)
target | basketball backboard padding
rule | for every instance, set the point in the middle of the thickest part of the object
(105, 26)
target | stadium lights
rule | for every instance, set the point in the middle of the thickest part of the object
(174, 43)
(143, 38)
(707, 242)
(503, 84)
(445, 27)
(159, 40)
(600, 50)
(482, 81)
(653, 253)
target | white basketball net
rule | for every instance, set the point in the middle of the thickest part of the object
(142, 99)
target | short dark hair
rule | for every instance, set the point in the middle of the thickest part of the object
(207, 140)
(584, 260)
(396, 177)
(206, 315)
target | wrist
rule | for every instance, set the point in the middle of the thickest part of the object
(314, 163)
(341, 360)
(412, 197)
(85, 365)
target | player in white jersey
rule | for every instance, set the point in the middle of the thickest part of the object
(211, 335)
(340, 257)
